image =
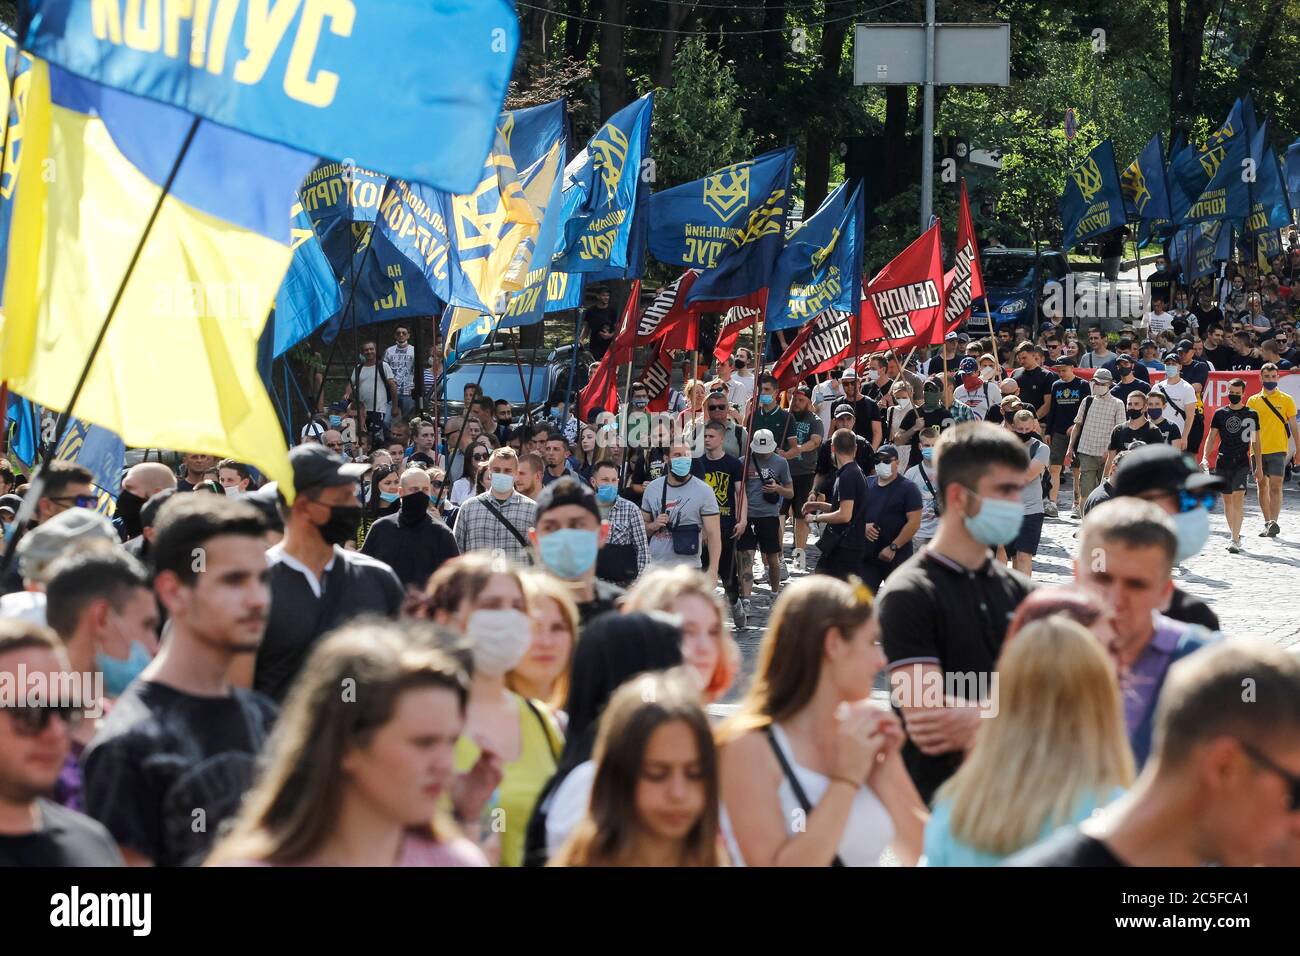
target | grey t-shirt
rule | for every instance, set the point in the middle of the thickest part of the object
(686, 504)
(802, 428)
(779, 469)
(1032, 496)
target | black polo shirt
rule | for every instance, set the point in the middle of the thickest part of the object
(1035, 384)
(827, 470)
(933, 610)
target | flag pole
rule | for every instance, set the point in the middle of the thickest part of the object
(526, 387)
(38, 479)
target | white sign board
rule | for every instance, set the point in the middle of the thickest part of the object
(965, 54)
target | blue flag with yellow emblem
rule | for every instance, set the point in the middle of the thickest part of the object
(341, 200)
(1270, 208)
(309, 295)
(730, 224)
(821, 265)
(1293, 172)
(1093, 202)
(99, 450)
(1146, 194)
(1226, 194)
(335, 78)
(1200, 247)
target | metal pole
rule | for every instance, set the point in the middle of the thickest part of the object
(927, 128)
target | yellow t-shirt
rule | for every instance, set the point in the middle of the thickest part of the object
(522, 780)
(1272, 433)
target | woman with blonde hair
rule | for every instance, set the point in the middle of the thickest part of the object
(709, 651)
(482, 597)
(810, 766)
(654, 800)
(1056, 750)
(359, 760)
(693, 414)
(543, 674)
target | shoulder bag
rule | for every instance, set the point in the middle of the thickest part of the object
(491, 506)
(686, 537)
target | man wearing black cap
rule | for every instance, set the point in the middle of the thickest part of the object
(1126, 370)
(569, 533)
(316, 585)
(826, 467)
(1196, 373)
(1035, 381)
(1128, 348)
(1169, 478)
(891, 517)
(842, 517)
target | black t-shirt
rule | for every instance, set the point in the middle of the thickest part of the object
(647, 465)
(1162, 285)
(1035, 384)
(1196, 372)
(1245, 363)
(1100, 495)
(605, 597)
(865, 411)
(1191, 610)
(1167, 428)
(887, 508)
(65, 838)
(723, 476)
(1221, 358)
(1205, 317)
(1235, 434)
(1066, 397)
(1066, 847)
(933, 610)
(938, 417)
(599, 320)
(826, 468)
(1123, 436)
(1122, 390)
(167, 768)
(850, 485)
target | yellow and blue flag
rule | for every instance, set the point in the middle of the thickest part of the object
(821, 265)
(1092, 202)
(730, 224)
(12, 110)
(1270, 206)
(1199, 248)
(1293, 172)
(99, 450)
(336, 78)
(1146, 194)
(341, 199)
(178, 364)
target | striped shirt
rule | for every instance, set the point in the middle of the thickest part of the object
(478, 529)
(626, 527)
(1100, 417)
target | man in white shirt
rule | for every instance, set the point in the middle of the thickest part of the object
(401, 359)
(825, 396)
(740, 387)
(974, 390)
(1180, 396)
(1157, 320)
(372, 383)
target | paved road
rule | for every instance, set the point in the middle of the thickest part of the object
(1252, 593)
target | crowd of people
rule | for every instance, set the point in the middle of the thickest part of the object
(471, 641)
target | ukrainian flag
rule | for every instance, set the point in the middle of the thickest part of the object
(178, 366)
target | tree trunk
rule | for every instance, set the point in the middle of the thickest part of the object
(1259, 49)
(613, 75)
(1186, 45)
(896, 167)
(587, 35)
(774, 40)
(817, 161)
(573, 27)
(674, 20)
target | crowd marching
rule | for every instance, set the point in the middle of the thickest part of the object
(472, 641)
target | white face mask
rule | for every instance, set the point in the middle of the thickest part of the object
(903, 403)
(500, 639)
(986, 373)
(884, 471)
(872, 375)
(235, 493)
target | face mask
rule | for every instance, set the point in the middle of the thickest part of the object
(1234, 398)
(986, 373)
(1125, 371)
(998, 521)
(336, 421)
(927, 453)
(1133, 413)
(1100, 390)
(1269, 386)
(555, 411)
(640, 402)
(884, 471)
(740, 364)
(502, 484)
(1172, 374)
(9, 529)
(233, 492)
(607, 494)
(971, 382)
(570, 552)
(903, 403)
(873, 375)
(1193, 528)
(128, 509)
(766, 399)
(388, 497)
(415, 504)
(500, 639)
(119, 674)
(681, 467)
(931, 401)
(1155, 414)
(1025, 436)
(342, 524)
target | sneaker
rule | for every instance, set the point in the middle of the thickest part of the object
(1076, 514)
(785, 572)
(1273, 529)
(1049, 509)
(739, 615)
(1268, 530)
(799, 558)
(1234, 548)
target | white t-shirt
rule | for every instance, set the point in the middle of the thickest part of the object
(825, 397)
(1180, 393)
(402, 362)
(929, 518)
(568, 805)
(979, 400)
(1157, 322)
(371, 392)
(740, 389)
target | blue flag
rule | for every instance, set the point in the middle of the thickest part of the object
(821, 265)
(1192, 167)
(1092, 202)
(1146, 197)
(100, 450)
(309, 295)
(337, 79)
(1269, 206)
(1199, 248)
(601, 188)
(730, 224)
(1293, 173)
(11, 113)
(1226, 194)
(22, 428)
(532, 131)
(336, 195)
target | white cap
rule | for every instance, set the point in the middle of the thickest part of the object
(764, 442)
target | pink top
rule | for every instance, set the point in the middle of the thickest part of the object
(419, 851)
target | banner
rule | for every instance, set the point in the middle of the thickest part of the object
(964, 282)
(1225, 195)
(337, 79)
(729, 224)
(529, 133)
(1192, 167)
(1092, 202)
(820, 346)
(735, 320)
(1270, 208)
(601, 186)
(666, 318)
(821, 264)
(99, 450)
(657, 377)
(1200, 247)
(12, 113)
(601, 392)
(309, 295)
(903, 304)
(1146, 194)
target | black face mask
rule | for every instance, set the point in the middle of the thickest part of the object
(128, 509)
(414, 507)
(344, 520)
(1025, 436)
(1234, 398)
(740, 363)
(1134, 413)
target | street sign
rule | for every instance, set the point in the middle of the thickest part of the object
(965, 54)
(1071, 125)
(986, 157)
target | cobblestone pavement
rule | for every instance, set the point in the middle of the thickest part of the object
(1255, 594)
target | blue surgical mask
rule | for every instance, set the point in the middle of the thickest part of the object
(927, 453)
(607, 494)
(570, 552)
(681, 467)
(502, 483)
(766, 399)
(997, 523)
(10, 529)
(388, 497)
(119, 674)
(1193, 528)
(336, 421)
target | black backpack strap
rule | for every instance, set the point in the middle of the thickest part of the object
(934, 495)
(546, 729)
(788, 771)
(491, 506)
(1285, 423)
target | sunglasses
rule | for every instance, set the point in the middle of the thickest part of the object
(32, 721)
(717, 408)
(1292, 780)
(480, 457)
(77, 501)
(1187, 501)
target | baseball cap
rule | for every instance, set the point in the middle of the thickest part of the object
(842, 410)
(963, 338)
(315, 466)
(804, 390)
(1185, 345)
(950, 337)
(1162, 468)
(1064, 359)
(1103, 375)
(1172, 357)
(1124, 359)
(10, 503)
(848, 373)
(968, 366)
(566, 491)
(1148, 343)
(886, 452)
(66, 530)
(764, 442)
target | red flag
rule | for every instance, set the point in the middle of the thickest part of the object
(602, 391)
(657, 378)
(666, 317)
(824, 342)
(904, 302)
(735, 320)
(964, 282)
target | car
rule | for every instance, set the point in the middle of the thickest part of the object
(1066, 294)
(529, 384)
